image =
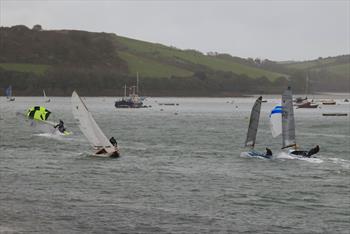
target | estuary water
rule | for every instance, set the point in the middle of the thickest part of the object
(180, 171)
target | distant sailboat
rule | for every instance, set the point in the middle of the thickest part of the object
(89, 127)
(288, 127)
(8, 93)
(45, 97)
(253, 130)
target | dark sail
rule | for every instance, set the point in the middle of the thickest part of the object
(253, 123)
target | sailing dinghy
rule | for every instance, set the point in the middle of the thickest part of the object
(45, 97)
(8, 93)
(288, 128)
(252, 132)
(89, 127)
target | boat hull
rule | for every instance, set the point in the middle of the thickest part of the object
(255, 154)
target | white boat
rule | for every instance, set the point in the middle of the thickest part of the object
(252, 132)
(8, 93)
(329, 102)
(288, 128)
(45, 97)
(89, 127)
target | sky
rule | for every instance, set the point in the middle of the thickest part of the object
(276, 30)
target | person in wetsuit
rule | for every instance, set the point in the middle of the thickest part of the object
(113, 142)
(60, 126)
(307, 154)
(313, 151)
(268, 153)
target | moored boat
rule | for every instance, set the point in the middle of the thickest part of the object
(307, 104)
(329, 102)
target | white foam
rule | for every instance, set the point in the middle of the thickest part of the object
(342, 162)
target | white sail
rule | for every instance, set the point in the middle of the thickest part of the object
(276, 121)
(88, 125)
(45, 97)
(288, 123)
(253, 123)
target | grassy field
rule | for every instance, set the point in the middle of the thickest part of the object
(38, 69)
(341, 69)
(311, 64)
(157, 52)
(150, 68)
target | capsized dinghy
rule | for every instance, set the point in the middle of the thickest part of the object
(40, 114)
(288, 128)
(252, 132)
(90, 129)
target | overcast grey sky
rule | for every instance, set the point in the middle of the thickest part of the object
(278, 30)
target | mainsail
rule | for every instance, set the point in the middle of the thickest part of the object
(288, 123)
(275, 121)
(45, 97)
(253, 123)
(88, 125)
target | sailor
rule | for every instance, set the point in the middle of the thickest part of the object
(60, 126)
(313, 151)
(113, 142)
(268, 153)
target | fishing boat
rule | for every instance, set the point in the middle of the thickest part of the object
(252, 132)
(288, 128)
(8, 94)
(133, 100)
(97, 139)
(47, 100)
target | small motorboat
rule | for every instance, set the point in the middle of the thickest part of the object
(329, 102)
(307, 104)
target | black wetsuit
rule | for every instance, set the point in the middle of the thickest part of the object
(313, 151)
(60, 126)
(268, 153)
(307, 154)
(113, 141)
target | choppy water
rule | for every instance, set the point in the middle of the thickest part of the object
(179, 173)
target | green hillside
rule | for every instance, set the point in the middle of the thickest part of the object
(339, 65)
(38, 69)
(151, 57)
(60, 61)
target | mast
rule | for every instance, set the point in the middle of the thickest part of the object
(137, 82)
(307, 84)
(288, 122)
